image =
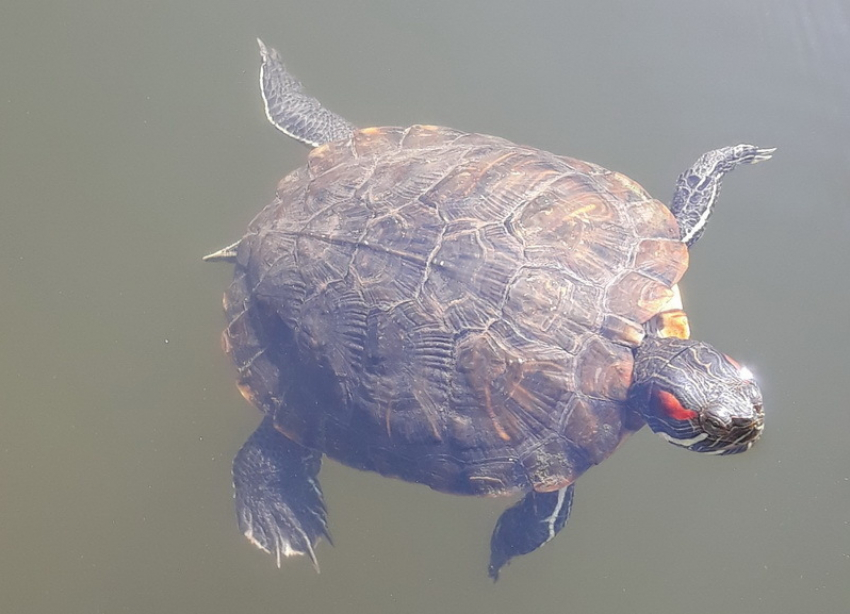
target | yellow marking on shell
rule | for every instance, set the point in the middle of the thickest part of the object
(581, 211)
(493, 417)
(371, 131)
(431, 127)
(653, 298)
(421, 398)
(246, 392)
(319, 150)
(552, 484)
(673, 324)
(432, 422)
(675, 301)
(671, 320)
(630, 184)
(483, 479)
(476, 173)
(225, 343)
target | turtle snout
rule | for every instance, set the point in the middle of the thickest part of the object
(729, 431)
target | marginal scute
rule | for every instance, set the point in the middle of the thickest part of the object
(595, 427)
(637, 296)
(587, 169)
(247, 392)
(428, 137)
(662, 259)
(653, 220)
(625, 189)
(371, 142)
(328, 156)
(552, 464)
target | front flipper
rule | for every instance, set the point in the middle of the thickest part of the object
(279, 502)
(529, 524)
(698, 187)
(292, 111)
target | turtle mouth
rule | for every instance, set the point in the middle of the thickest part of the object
(711, 435)
(733, 436)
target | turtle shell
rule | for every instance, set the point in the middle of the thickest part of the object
(451, 308)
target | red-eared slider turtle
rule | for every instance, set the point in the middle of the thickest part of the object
(457, 310)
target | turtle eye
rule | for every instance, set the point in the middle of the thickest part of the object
(672, 421)
(699, 398)
(718, 425)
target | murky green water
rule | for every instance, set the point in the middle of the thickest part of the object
(132, 142)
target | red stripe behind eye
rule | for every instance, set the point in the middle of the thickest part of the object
(671, 406)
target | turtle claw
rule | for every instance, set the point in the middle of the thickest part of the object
(763, 154)
(279, 504)
(278, 529)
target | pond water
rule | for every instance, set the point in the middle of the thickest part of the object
(133, 142)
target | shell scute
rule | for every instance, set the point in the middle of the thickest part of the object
(372, 142)
(662, 259)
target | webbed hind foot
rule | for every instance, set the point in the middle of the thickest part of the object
(279, 502)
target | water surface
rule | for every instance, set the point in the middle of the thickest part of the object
(133, 142)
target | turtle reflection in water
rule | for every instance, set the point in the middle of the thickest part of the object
(457, 310)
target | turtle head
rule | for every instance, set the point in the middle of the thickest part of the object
(696, 397)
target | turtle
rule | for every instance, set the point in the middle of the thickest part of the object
(457, 310)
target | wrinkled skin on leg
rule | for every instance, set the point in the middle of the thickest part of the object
(279, 502)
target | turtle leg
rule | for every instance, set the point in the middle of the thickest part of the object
(697, 188)
(290, 110)
(279, 502)
(527, 525)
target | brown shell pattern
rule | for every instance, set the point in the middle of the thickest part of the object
(450, 308)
